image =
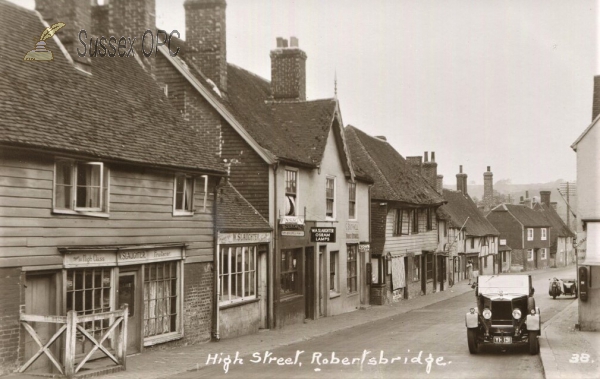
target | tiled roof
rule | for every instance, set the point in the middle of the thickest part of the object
(235, 213)
(461, 208)
(296, 131)
(116, 113)
(526, 216)
(558, 225)
(393, 176)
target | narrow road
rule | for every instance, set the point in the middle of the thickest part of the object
(428, 342)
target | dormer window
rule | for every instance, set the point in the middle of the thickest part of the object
(80, 188)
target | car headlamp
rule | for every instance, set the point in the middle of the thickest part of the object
(533, 311)
(516, 313)
(487, 314)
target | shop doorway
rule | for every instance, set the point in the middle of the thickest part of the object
(322, 274)
(309, 282)
(40, 299)
(129, 291)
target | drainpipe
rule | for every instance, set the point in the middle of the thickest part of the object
(273, 253)
(216, 313)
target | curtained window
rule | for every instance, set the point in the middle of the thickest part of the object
(80, 187)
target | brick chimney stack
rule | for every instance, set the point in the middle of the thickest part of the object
(430, 169)
(461, 181)
(488, 190)
(439, 185)
(205, 30)
(416, 163)
(596, 98)
(131, 18)
(288, 71)
(545, 198)
(75, 14)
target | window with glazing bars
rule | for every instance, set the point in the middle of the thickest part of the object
(88, 292)
(352, 268)
(330, 197)
(290, 278)
(291, 192)
(160, 298)
(415, 221)
(237, 273)
(351, 201)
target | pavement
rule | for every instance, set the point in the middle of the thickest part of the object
(558, 343)
(567, 352)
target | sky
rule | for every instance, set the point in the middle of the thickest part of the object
(506, 84)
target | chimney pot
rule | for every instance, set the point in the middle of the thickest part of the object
(294, 42)
(433, 156)
(460, 169)
(279, 42)
(288, 72)
(488, 168)
(426, 157)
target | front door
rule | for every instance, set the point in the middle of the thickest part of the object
(40, 299)
(309, 282)
(129, 293)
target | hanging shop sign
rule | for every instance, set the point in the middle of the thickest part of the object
(322, 234)
(364, 248)
(291, 226)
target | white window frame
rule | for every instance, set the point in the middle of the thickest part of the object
(544, 234)
(544, 254)
(297, 194)
(333, 216)
(182, 212)
(230, 251)
(353, 217)
(352, 248)
(530, 255)
(530, 234)
(102, 210)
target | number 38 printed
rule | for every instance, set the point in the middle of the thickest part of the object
(580, 358)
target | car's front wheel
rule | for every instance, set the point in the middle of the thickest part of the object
(534, 344)
(472, 340)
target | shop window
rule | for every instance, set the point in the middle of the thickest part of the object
(529, 234)
(291, 192)
(80, 188)
(290, 272)
(161, 310)
(544, 254)
(330, 198)
(352, 201)
(416, 268)
(333, 270)
(352, 267)
(88, 292)
(429, 266)
(237, 274)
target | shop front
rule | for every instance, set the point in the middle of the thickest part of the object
(149, 279)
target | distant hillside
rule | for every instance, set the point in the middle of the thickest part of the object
(504, 186)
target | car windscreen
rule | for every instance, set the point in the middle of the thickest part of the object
(491, 284)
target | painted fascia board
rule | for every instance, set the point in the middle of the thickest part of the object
(267, 157)
(585, 132)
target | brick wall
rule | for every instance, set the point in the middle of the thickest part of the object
(131, 18)
(194, 109)
(198, 302)
(11, 300)
(378, 221)
(239, 320)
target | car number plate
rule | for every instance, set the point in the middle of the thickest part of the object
(503, 339)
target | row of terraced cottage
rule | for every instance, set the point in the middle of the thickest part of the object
(212, 201)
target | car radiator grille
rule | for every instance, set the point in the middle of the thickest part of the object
(501, 313)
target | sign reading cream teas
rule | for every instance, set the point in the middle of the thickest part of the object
(352, 232)
(230, 238)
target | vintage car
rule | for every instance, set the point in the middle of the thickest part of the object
(505, 313)
(559, 287)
